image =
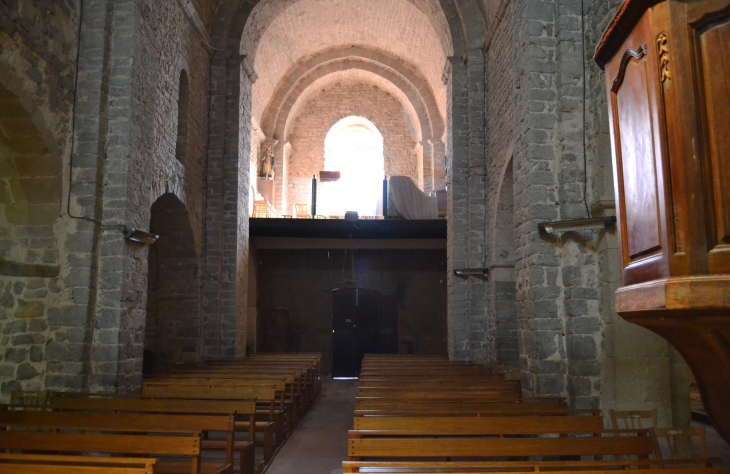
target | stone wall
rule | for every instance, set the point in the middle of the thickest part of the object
(556, 291)
(470, 337)
(140, 167)
(130, 61)
(500, 230)
(324, 110)
(38, 46)
(411, 282)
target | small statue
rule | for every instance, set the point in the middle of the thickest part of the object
(267, 163)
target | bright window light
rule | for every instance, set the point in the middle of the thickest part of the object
(354, 147)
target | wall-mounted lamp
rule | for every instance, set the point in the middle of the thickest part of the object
(467, 272)
(140, 236)
(608, 222)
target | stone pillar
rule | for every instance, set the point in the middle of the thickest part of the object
(537, 267)
(226, 268)
(426, 150)
(468, 336)
(439, 165)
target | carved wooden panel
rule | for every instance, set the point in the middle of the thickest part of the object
(712, 45)
(636, 156)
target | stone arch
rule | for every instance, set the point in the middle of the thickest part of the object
(172, 332)
(403, 154)
(359, 75)
(413, 86)
(398, 28)
(30, 206)
(502, 278)
(268, 10)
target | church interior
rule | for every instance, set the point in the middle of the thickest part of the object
(480, 219)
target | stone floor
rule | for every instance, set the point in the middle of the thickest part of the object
(319, 443)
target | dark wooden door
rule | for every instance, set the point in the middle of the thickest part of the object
(360, 328)
(345, 360)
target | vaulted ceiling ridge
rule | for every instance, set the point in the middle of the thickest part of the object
(390, 68)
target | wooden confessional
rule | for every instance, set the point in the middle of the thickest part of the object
(667, 67)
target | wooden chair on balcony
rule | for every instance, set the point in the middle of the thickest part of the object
(633, 420)
(301, 211)
(678, 443)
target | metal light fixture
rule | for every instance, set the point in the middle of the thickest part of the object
(593, 223)
(136, 235)
(466, 272)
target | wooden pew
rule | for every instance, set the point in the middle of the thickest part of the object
(698, 466)
(289, 406)
(157, 446)
(455, 408)
(134, 423)
(596, 444)
(243, 411)
(46, 464)
(190, 392)
(437, 395)
(462, 426)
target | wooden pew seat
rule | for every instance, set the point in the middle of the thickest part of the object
(603, 443)
(47, 464)
(157, 446)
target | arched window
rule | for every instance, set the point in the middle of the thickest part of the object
(354, 147)
(183, 108)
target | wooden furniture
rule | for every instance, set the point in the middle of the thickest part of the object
(158, 446)
(47, 464)
(601, 443)
(667, 65)
(470, 426)
(633, 420)
(243, 412)
(711, 466)
(679, 442)
(135, 423)
(30, 398)
(301, 211)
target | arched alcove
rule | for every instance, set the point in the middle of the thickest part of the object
(503, 275)
(30, 182)
(30, 205)
(173, 294)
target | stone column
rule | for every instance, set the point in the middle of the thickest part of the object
(468, 337)
(427, 152)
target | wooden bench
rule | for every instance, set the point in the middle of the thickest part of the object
(699, 466)
(243, 411)
(288, 405)
(137, 423)
(599, 443)
(266, 396)
(462, 426)
(436, 395)
(46, 464)
(455, 408)
(158, 446)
